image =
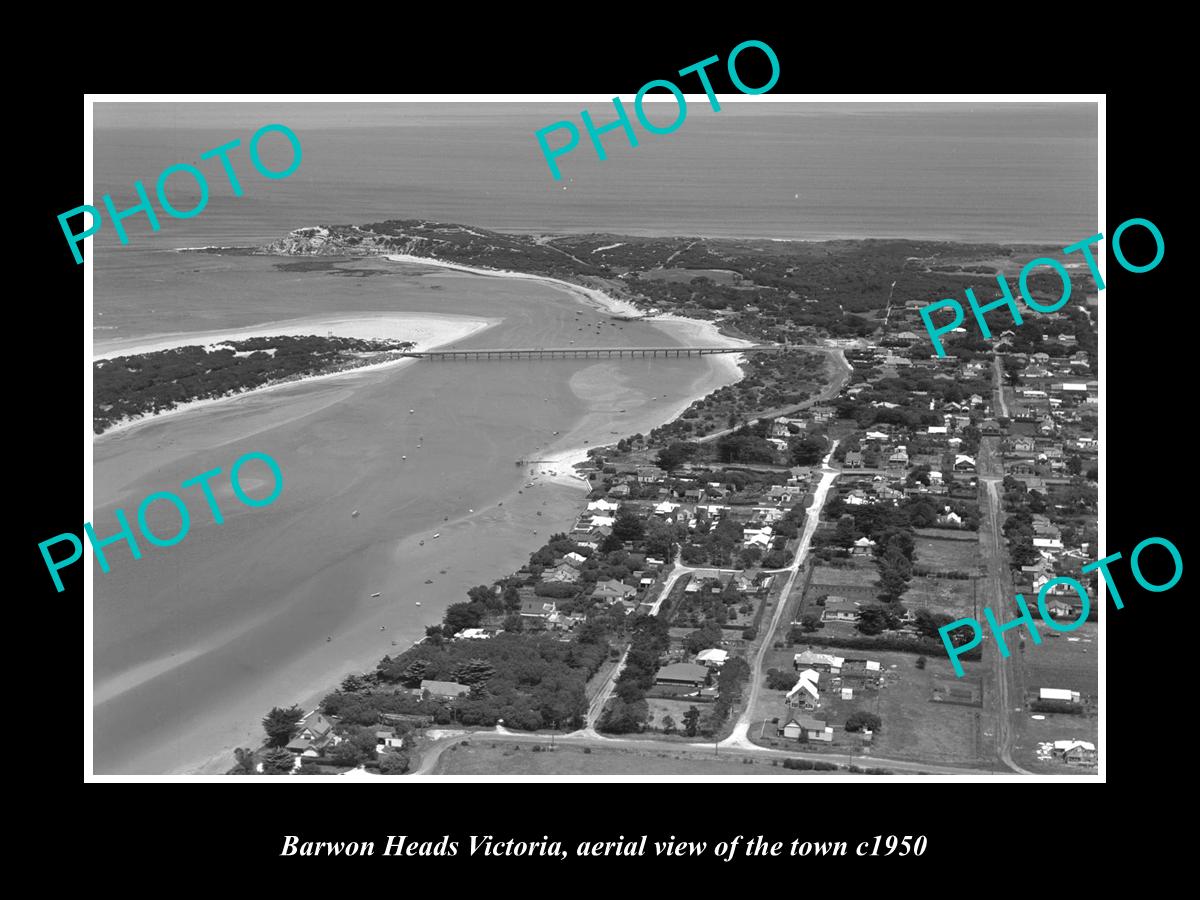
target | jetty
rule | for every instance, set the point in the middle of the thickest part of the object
(590, 352)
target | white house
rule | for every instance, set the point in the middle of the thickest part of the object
(713, 657)
(804, 692)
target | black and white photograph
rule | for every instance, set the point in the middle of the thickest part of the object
(710, 433)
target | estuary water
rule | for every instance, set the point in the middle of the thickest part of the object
(194, 643)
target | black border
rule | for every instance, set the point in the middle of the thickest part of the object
(1147, 402)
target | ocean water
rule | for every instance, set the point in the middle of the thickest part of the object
(195, 642)
(996, 172)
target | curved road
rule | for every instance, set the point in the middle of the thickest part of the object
(841, 375)
(445, 740)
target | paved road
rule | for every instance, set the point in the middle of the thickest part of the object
(999, 373)
(997, 595)
(444, 740)
(739, 737)
(596, 707)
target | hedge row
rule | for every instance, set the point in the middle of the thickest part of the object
(809, 764)
(902, 644)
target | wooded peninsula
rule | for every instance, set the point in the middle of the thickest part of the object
(128, 387)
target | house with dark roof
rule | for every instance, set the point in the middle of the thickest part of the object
(443, 690)
(682, 673)
(537, 608)
(313, 736)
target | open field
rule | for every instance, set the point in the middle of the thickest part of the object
(861, 574)
(684, 276)
(949, 595)
(914, 727)
(859, 583)
(661, 708)
(1058, 662)
(503, 758)
(943, 554)
(1063, 660)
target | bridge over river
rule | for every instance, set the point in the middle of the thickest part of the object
(592, 352)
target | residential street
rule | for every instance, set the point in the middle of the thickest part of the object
(739, 736)
(998, 593)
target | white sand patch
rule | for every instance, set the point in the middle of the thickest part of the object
(427, 331)
(589, 295)
(690, 332)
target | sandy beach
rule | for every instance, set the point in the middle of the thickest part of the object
(689, 332)
(590, 296)
(427, 332)
(186, 663)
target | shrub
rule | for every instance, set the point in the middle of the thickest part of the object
(863, 720)
(393, 762)
(784, 680)
(899, 642)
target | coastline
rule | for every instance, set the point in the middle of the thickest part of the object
(696, 331)
(592, 296)
(427, 332)
(552, 505)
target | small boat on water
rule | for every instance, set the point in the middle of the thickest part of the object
(437, 535)
(418, 603)
(404, 457)
(411, 411)
(376, 594)
(429, 581)
(422, 543)
(354, 515)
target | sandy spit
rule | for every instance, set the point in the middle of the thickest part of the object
(693, 332)
(589, 295)
(426, 331)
